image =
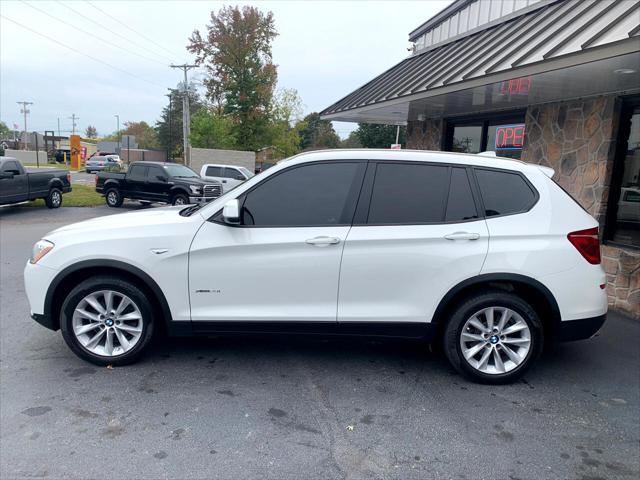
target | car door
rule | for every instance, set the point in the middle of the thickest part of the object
(136, 180)
(282, 262)
(419, 235)
(14, 187)
(157, 187)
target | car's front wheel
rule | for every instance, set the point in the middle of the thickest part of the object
(180, 199)
(107, 321)
(54, 198)
(493, 337)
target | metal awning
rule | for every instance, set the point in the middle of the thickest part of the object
(560, 35)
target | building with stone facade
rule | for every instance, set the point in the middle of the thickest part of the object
(554, 82)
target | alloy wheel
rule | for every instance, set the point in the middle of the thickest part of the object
(495, 340)
(56, 198)
(112, 198)
(107, 323)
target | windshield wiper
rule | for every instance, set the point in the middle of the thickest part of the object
(187, 212)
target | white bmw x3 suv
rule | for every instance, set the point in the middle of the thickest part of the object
(486, 255)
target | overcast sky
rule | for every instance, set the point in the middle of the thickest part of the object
(325, 50)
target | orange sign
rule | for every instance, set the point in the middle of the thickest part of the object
(76, 151)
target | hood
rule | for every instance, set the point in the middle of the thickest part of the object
(196, 181)
(113, 225)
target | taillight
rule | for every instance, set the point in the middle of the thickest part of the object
(69, 178)
(96, 179)
(587, 243)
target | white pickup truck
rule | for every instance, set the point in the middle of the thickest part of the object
(229, 175)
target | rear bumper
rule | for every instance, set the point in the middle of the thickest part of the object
(570, 330)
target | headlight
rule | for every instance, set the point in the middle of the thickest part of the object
(40, 249)
(195, 189)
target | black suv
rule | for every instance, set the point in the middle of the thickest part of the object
(157, 182)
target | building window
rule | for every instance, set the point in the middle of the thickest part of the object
(503, 134)
(623, 216)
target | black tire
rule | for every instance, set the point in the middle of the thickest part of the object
(54, 198)
(113, 197)
(467, 308)
(180, 199)
(116, 284)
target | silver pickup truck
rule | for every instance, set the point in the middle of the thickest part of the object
(18, 185)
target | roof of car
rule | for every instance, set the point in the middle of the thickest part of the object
(411, 155)
(149, 162)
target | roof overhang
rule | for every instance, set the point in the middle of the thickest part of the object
(570, 48)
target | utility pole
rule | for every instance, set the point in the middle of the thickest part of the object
(58, 126)
(73, 119)
(170, 149)
(25, 110)
(186, 117)
(118, 131)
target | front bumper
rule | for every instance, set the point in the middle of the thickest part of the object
(582, 329)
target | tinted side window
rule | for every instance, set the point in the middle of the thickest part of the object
(138, 173)
(503, 192)
(311, 195)
(408, 194)
(460, 205)
(154, 172)
(231, 173)
(214, 172)
(10, 165)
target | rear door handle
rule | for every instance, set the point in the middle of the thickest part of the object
(462, 236)
(322, 241)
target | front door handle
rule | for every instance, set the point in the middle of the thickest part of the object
(322, 241)
(462, 236)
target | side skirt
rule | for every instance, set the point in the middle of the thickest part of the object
(424, 331)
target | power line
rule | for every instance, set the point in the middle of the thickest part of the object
(81, 53)
(111, 31)
(119, 22)
(92, 35)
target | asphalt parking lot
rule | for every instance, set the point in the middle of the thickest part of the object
(291, 408)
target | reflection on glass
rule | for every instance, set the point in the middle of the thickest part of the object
(467, 139)
(627, 229)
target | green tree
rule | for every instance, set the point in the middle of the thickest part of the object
(283, 131)
(5, 132)
(316, 133)
(236, 53)
(169, 126)
(91, 132)
(210, 130)
(352, 141)
(146, 136)
(379, 136)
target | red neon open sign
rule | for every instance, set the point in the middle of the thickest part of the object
(510, 137)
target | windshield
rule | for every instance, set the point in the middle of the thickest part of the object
(246, 171)
(180, 171)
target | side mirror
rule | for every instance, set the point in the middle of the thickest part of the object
(231, 211)
(161, 178)
(6, 175)
(240, 177)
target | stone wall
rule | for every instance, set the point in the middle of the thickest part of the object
(200, 156)
(577, 140)
(426, 135)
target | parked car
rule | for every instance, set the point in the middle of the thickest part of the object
(17, 185)
(97, 163)
(229, 175)
(486, 255)
(157, 182)
(629, 205)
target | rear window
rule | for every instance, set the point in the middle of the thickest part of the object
(408, 194)
(504, 193)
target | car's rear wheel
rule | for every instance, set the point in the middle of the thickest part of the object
(113, 198)
(180, 199)
(493, 337)
(107, 321)
(54, 198)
